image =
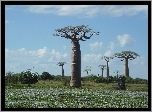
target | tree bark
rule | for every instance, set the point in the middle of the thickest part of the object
(128, 72)
(107, 70)
(126, 69)
(102, 72)
(62, 72)
(75, 65)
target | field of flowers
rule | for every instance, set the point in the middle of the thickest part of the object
(74, 98)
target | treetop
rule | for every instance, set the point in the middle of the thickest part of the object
(75, 33)
(126, 54)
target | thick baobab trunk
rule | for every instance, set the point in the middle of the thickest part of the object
(126, 69)
(107, 70)
(75, 65)
(62, 72)
(128, 72)
(102, 72)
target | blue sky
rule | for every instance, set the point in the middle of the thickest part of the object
(29, 40)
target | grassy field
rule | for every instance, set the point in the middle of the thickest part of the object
(58, 94)
(85, 84)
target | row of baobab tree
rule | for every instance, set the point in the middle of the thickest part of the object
(128, 55)
(82, 32)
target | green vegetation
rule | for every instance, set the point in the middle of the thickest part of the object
(29, 79)
(74, 98)
(55, 92)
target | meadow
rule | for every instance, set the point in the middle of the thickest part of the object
(58, 94)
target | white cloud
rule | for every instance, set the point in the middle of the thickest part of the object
(91, 58)
(64, 10)
(37, 58)
(120, 10)
(6, 52)
(89, 10)
(139, 61)
(111, 47)
(21, 50)
(56, 54)
(125, 39)
(96, 46)
(50, 59)
(22, 59)
(41, 52)
(108, 53)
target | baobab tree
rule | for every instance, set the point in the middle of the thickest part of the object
(87, 69)
(107, 59)
(75, 34)
(61, 64)
(126, 55)
(117, 73)
(30, 69)
(102, 68)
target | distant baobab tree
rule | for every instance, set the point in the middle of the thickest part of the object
(87, 69)
(30, 69)
(126, 55)
(75, 34)
(61, 64)
(102, 68)
(117, 73)
(107, 59)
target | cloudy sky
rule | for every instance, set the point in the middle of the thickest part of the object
(29, 40)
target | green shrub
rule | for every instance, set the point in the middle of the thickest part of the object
(66, 81)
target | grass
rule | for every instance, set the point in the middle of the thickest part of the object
(85, 84)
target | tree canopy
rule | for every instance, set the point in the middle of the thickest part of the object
(61, 63)
(75, 33)
(127, 54)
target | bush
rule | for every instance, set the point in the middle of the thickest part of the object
(46, 76)
(28, 77)
(11, 78)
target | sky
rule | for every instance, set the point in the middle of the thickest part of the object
(29, 40)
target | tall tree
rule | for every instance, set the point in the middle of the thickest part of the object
(75, 34)
(102, 68)
(107, 59)
(61, 64)
(87, 69)
(126, 55)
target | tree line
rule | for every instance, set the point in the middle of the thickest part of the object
(29, 77)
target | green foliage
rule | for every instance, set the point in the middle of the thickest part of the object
(28, 77)
(112, 79)
(58, 78)
(11, 78)
(46, 76)
(66, 81)
(74, 98)
(89, 78)
(129, 80)
(136, 80)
